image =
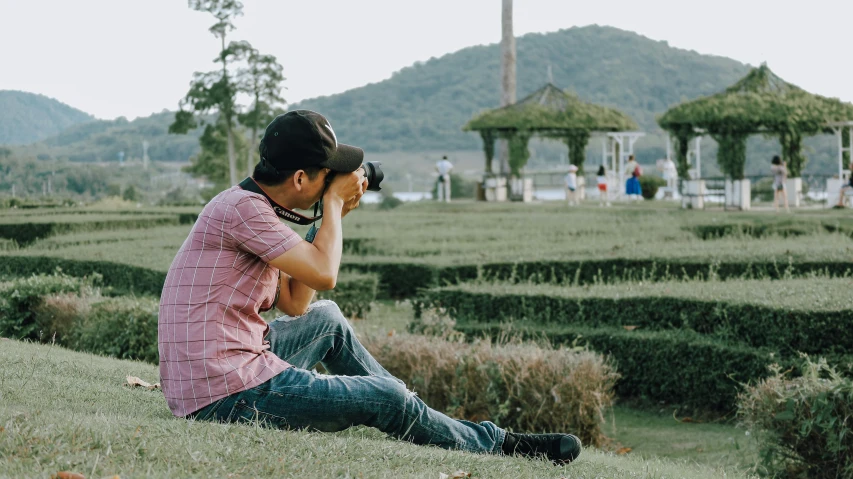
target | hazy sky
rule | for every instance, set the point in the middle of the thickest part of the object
(135, 57)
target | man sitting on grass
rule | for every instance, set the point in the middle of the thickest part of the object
(220, 361)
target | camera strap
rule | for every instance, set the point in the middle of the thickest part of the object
(249, 184)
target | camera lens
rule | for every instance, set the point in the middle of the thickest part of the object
(373, 174)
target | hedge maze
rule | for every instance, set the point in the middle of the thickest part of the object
(688, 305)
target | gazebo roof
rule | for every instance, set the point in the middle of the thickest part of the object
(760, 102)
(551, 110)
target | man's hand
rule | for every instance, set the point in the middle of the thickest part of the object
(354, 201)
(348, 189)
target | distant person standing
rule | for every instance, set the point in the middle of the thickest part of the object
(601, 180)
(780, 177)
(632, 185)
(571, 180)
(443, 168)
(670, 175)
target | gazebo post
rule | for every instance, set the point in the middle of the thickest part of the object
(698, 148)
(833, 185)
(668, 147)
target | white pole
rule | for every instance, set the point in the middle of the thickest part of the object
(604, 151)
(838, 133)
(698, 157)
(668, 147)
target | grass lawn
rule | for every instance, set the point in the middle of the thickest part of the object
(62, 410)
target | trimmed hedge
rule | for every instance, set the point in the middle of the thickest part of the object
(398, 280)
(26, 233)
(119, 277)
(678, 367)
(354, 294)
(405, 280)
(760, 230)
(810, 331)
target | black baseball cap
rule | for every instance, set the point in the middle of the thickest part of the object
(304, 138)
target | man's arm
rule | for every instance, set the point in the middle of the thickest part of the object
(316, 264)
(294, 297)
(311, 267)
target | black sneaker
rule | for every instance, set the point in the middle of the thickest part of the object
(560, 448)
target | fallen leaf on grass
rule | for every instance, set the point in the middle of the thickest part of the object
(67, 475)
(623, 450)
(455, 475)
(133, 381)
(630, 328)
(391, 333)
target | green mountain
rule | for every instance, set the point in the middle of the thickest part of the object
(423, 107)
(102, 140)
(28, 117)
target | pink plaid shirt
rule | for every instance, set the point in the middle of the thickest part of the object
(210, 336)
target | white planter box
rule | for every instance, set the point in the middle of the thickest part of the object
(833, 186)
(794, 190)
(694, 194)
(496, 193)
(580, 191)
(738, 194)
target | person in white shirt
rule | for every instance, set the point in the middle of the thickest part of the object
(443, 168)
(571, 185)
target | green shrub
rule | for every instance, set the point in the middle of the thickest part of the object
(124, 328)
(676, 367)
(434, 322)
(649, 186)
(459, 187)
(389, 202)
(804, 425)
(354, 294)
(23, 314)
(524, 387)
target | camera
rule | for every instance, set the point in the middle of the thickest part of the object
(373, 174)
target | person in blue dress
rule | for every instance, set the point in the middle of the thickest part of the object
(632, 185)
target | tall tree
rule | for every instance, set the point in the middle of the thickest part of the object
(215, 90)
(261, 78)
(507, 75)
(211, 161)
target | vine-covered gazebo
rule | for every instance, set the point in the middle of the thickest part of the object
(760, 103)
(551, 113)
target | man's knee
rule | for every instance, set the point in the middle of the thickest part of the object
(329, 313)
(394, 393)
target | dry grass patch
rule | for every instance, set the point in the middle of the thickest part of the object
(524, 387)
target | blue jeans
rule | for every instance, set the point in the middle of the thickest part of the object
(359, 391)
